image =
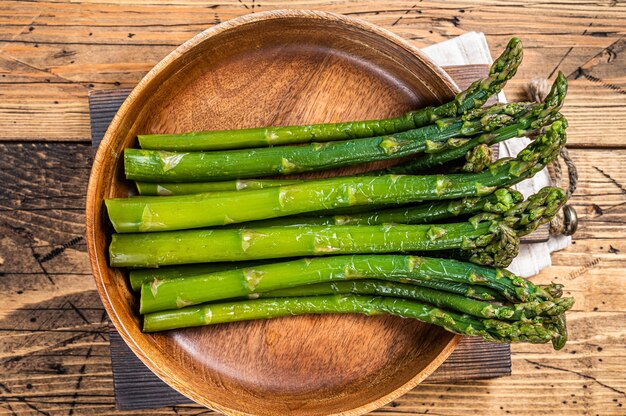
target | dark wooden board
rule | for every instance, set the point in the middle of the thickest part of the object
(136, 387)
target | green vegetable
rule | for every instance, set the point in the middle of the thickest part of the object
(176, 293)
(167, 189)
(489, 329)
(158, 165)
(138, 277)
(475, 96)
(450, 275)
(526, 125)
(441, 299)
(499, 202)
(149, 213)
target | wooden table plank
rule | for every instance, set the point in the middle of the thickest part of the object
(54, 354)
(52, 54)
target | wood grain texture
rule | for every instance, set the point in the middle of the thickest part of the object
(54, 349)
(136, 387)
(53, 53)
(54, 356)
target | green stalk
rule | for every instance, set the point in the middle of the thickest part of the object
(140, 277)
(167, 189)
(437, 298)
(477, 160)
(475, 96)
(158, 165)
(499, 202)
(489, 239)
(219, 245)
(169, 294)
(150, 213)
(209, 314)
(477, 292)
(526, 125)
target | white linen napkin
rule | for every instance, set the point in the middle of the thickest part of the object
(471, 49)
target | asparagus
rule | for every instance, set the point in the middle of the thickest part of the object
(327, 288)
(166, 189)
(527, 125)
(158, 165)
(489, 329)
(477, 159)
(138, 277)
(177, 293)
(499, 202)
(437, 298)
(490, 239)
(560, 325)
(150, 213)
(475, 96)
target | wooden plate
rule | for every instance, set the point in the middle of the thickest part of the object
(274, 68)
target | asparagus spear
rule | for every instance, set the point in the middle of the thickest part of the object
(441, 299)
(475, 96)
(208, 314)
(149, 213)
(499, 202)
(490, 241)
(327, 288)
(526, 125)
(176, 293)
(477, 160)
(158, 165)
(138, 277)
(166, 189)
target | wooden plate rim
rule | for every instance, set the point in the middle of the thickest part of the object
(95, 181)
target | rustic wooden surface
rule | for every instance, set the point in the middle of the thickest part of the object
(54, 353)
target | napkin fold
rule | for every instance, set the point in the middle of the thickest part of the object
(472, 49)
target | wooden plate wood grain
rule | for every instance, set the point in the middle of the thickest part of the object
(274, 68)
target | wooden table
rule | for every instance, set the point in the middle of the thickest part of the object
(54, 354)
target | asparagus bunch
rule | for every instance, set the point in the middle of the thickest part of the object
(159, 165)
(503, 69)
(488, 238)
(141, 214)
(528, 124)
(227, 273)
(176, 293)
